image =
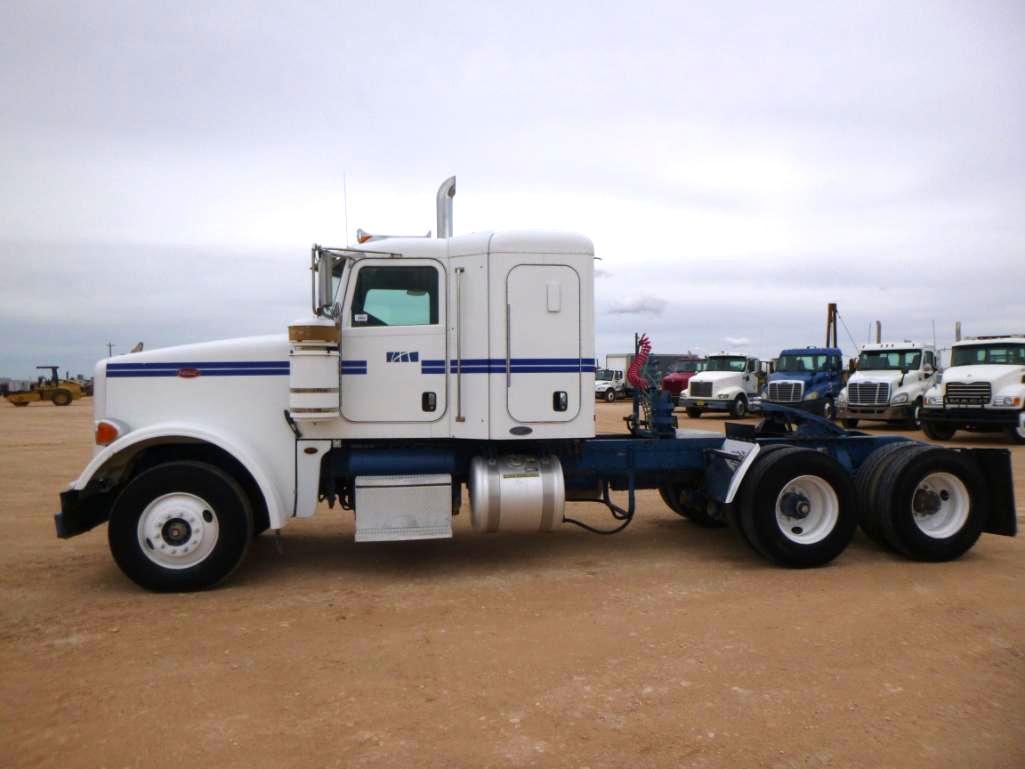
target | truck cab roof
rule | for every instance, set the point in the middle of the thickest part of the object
(905, 345)
(812, 351)
(505, 242)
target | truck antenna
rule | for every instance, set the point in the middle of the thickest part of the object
(345, 207)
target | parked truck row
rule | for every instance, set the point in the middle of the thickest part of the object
(899, 383)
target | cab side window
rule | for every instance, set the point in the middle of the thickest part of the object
(395, 296)
(929, 360)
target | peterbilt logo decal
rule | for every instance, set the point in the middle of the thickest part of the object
(188, 373)
(402, 357)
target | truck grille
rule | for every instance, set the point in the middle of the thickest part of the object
(969, 393)
(868, 393)
(701, 389)
(785, 392)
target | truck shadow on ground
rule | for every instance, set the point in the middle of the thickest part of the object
(654, 542)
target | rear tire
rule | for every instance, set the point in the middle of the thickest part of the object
(865, 481)
(850, 424)
(798, 508)
(180, 526)
(61, 398)
(675, 499)
(933, 503)
(693, 413)
(938, 432)
(20, 404)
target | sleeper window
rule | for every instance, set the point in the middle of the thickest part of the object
(396, 296)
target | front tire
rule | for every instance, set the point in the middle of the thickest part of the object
(829, 410)
(180, 526)
(798, 508)
(610, 396)
(938, 432)
(849, 424)
(739, 408)
(1016, 434)
(693, 413)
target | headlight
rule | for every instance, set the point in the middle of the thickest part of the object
(933, 400)
(900, 398)
(811, 396)
(1007, 400)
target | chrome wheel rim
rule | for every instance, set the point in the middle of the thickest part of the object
(178, 530)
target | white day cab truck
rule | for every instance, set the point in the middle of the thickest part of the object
(983, 390)
(609, 384)
(432, 365)
(729, 382)
(889, 384)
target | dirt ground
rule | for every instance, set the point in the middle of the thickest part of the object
(664, 646)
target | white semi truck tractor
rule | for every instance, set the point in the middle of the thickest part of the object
(983, 390)
(433, 367)
(889, 384)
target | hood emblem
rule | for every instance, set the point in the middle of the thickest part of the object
(188, 373)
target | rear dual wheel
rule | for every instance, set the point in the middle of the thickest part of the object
(682, 501)
(796, 507)
(925, 502)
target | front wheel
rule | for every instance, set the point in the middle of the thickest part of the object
(610, 396)
(915, 418)
(829, 410)
(850, 424)
(180, 526)
(938, 432)
(739, 408)
(693, 413)
(1016, 434)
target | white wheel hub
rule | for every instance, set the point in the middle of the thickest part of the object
(807, 509)
(940, 505)
(178, 530)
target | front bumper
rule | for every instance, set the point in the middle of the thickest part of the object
(814, 406)
(881, 413)
(79, 514)
(974, 416)
(705, 404)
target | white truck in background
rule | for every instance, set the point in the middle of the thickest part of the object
(609, 384)
(983, 390)
(729, 382)
(889, 384)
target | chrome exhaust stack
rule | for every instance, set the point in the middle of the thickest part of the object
(446, 192)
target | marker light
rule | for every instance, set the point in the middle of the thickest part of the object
(106, 433)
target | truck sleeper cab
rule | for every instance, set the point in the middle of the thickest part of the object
(430, 366)
(808, 378)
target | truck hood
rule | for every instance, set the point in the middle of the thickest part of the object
(679, 376)
(248, 350)
(884, 377)
(998, 374)
(791, 376)
(717, 377)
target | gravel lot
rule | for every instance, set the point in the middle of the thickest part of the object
(666, 645)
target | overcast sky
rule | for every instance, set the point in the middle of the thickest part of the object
(165, 166)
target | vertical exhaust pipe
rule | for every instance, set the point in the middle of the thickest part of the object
(446, 192)
(957, 331)
(879, 331)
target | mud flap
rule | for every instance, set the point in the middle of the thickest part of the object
(995, 465)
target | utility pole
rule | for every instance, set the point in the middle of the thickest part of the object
(110, 349)
(831, 325)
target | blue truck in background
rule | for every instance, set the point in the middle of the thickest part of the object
(808, 378)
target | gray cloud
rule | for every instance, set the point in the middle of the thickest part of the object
(643, 304)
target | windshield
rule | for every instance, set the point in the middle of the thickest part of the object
(808, 362)
(1007, 354)
(726, 363)
(686, 365)
(604, 374)
(889, 360)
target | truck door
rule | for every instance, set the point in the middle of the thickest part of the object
(393, 342)
(543, 364)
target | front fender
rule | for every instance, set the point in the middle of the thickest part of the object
(171, 432)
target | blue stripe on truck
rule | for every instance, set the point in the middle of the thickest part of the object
(351, 367)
